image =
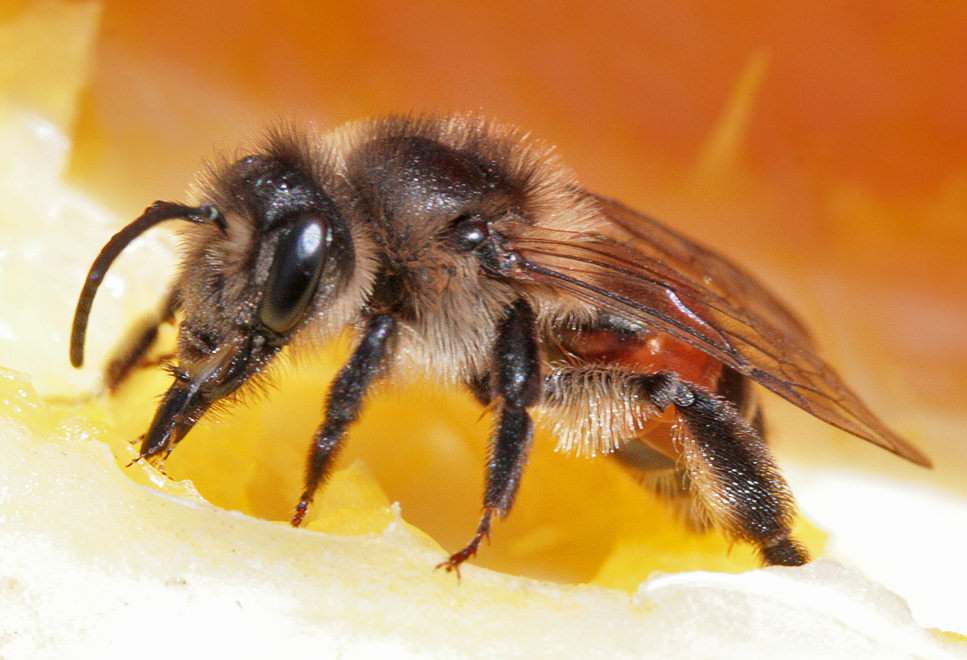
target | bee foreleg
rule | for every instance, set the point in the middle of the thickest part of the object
(129, 354)
(518, 385)
(734, 476)
(342, 407)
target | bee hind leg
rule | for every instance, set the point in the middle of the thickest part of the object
(731, 471)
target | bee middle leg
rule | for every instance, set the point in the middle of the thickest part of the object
(517, 382)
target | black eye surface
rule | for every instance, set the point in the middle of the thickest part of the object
(294, 273)
(468, 232)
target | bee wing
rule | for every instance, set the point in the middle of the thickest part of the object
(639, 270)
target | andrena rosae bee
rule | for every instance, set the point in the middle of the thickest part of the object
(460, 248)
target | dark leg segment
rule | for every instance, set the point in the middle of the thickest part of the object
(129, 355)
(669, 478)
(735, 477)
(343, 405)
(518, 384)
(724, 465)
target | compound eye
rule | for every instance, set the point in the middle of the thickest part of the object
(294, 273)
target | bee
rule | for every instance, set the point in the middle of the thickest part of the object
(464, 250)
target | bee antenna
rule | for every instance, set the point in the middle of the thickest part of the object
(154, 214)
